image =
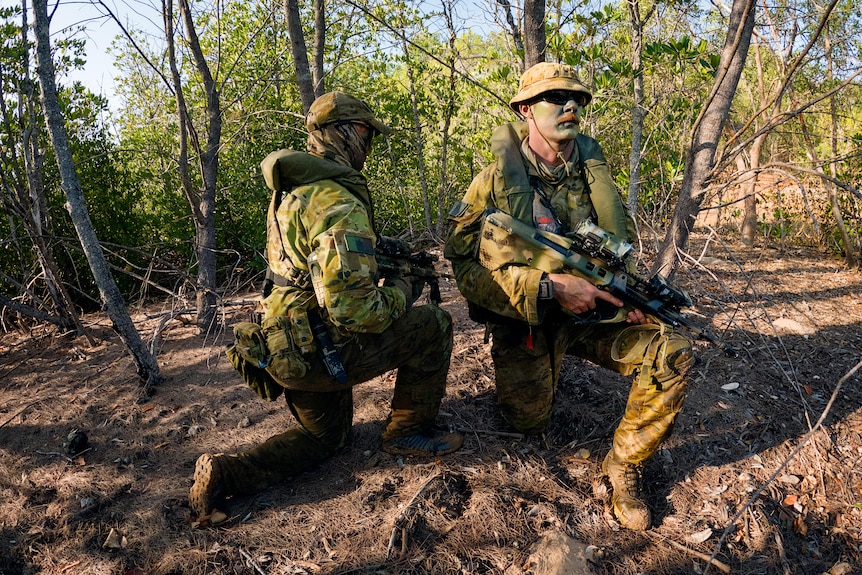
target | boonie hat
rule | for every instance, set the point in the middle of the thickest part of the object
(339, 107)
(547, 76)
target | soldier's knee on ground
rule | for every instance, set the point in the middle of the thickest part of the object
(679, 354)
(530, 419)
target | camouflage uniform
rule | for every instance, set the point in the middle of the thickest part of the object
(324, 224)
(531, 335)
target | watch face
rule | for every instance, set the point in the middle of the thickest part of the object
(546, 289)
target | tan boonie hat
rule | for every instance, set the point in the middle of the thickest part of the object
(544, 77)
(339, 107)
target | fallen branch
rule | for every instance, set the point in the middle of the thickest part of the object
(99, 504)
(808, 436)
(251, 561)
(403, 520)
(702, 556)
(20, 411)
(491, 432)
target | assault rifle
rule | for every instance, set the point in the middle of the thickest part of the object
(395, 259)
(597, 256)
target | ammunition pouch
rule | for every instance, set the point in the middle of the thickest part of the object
(249, 356)
(286, 361)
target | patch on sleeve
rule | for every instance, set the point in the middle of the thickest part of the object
(359, 245)
(459, 209)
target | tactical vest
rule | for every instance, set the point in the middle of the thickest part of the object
(284, 170)
(608, 209)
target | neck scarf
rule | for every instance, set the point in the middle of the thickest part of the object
(340, 143)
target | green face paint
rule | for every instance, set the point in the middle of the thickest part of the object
(558, 124)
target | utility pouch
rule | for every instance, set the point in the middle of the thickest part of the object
(286, 361)
(250, 356)
(645, 345)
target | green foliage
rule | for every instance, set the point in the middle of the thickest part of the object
(398, 58)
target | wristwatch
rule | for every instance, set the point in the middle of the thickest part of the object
(546, 290)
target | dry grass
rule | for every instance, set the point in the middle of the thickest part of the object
(793, 315)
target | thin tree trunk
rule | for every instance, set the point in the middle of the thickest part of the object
(23, 193)
(514, 30)
(448, 112)
(850, 248)
(638, 111)
(319, 47)
(147, 368)
(535, 40)
(203, 201)
(749, 190)
(300, 54)
(700, 158)
(832, 192)
(420, 148)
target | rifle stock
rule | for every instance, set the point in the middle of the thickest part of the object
(594, 255)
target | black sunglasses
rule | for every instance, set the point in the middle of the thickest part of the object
(562, 97)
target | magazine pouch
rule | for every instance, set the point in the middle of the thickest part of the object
(250, 356)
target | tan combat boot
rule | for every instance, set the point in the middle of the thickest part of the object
(629, 507)
(208, 491)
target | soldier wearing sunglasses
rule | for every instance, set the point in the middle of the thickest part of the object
(547, 174)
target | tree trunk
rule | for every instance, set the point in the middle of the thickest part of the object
(23, 193)
(514, 30)
(749, 190)
(319, 48)
(300, 54)
(700, 158)
(535, 40)
(638, 112)
(850, 248)
(420, 148)
(448, 112)
(203, 202)
(830, 189)
(145, 362)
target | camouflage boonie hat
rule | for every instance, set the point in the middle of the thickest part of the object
(339, 107)
(544, 77)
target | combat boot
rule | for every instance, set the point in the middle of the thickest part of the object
(627, 499)
(208, 491)
(421, 444)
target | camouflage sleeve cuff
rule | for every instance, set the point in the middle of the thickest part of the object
(526, 296)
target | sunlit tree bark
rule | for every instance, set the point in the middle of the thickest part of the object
(700, 158)
(147, 368)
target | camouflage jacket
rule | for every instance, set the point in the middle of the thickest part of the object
(507, 184)
(322, 210)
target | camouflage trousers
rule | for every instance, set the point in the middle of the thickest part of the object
(527, 366)
(418, 345)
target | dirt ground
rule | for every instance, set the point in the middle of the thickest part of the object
(762, 472)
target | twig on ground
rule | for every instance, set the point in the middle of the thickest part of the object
(781, 553)
(491, 432)
(100, 503)
(702, 556)
(251, 562)
(406, 515)
(20, 411)
(808, 436)
(57, 453)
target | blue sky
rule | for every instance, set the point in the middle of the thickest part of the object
(99, 73)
